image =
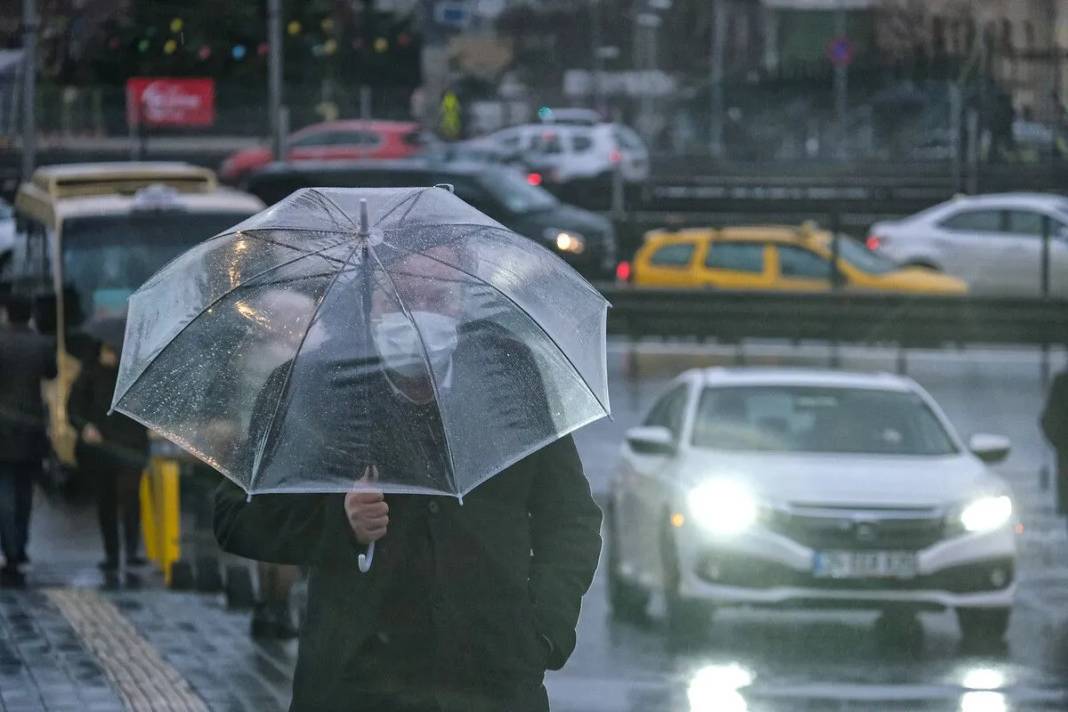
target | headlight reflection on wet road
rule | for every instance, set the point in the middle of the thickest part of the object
(982, 683)
(715, 688)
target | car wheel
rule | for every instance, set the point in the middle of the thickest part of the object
(687, 619)
(923, 265)
(983, 624)
(628, 600)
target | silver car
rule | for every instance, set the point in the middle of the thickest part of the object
(993, 242)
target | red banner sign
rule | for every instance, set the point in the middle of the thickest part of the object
(163, 101)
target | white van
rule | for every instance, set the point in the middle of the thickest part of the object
(566, 152)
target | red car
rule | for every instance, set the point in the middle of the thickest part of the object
(332, 141)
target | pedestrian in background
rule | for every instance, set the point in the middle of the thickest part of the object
(113, 450)
(1055, 426)
(26, 359)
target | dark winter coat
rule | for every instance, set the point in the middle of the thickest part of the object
(26, 359)
(125, 441)
(1055, 426)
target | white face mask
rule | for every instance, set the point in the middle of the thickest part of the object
(399, 345)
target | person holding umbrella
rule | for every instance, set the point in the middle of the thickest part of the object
(425, 412)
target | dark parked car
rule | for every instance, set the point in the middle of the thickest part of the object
(585, 240)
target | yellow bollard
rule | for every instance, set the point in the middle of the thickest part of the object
(161, 514)
(149, 527)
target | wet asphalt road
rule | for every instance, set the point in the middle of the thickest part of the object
(759, 660)
(748, 660)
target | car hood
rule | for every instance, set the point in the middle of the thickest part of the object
(566, 217)
(845, 480)
(912, 279)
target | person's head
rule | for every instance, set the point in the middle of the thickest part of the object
(415, 313)
(109, 357)
(19, 310)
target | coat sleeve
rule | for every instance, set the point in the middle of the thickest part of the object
(48, 359)
(80, 401)
(566, 540)
(298, 529)
(1054, 419)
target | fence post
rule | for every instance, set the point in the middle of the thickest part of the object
(30, 26)
(956, 135)
(836, 251)
(1046, 229)
(974, 148)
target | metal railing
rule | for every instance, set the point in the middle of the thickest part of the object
(844, 317)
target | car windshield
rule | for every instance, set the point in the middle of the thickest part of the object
(512, 189)
(106, 258)
(864, 259)
(819, 419)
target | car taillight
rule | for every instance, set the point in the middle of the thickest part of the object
(623, 271)
(874, 242)
(534, 178)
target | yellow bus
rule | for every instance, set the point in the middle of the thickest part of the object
(88, 235)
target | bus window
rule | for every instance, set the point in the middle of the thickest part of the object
(107, 257)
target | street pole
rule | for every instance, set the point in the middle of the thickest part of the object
(365, 101)
(716, 53)
(598, 60)
(1044, 365)
(836, 250)
(956, 135)
(29, 86)
(972, 129)
(274, 76)
(841, 82)
(1046, 229)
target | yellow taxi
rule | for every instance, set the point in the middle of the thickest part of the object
(774, 258)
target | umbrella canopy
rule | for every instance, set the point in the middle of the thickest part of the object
(303, 345)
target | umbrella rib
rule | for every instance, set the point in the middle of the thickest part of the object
(319, 194)
(516, 304)
(292, 364)
(411, 207)
(426, 360)
(229, 291)
(401, 202)
(500, 228)
(340, 233)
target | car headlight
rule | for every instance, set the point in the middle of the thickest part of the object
(986, 513)
(566, 240)
(722, 506)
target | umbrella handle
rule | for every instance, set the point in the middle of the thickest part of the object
(364, 560)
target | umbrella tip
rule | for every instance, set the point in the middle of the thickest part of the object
(365, 222)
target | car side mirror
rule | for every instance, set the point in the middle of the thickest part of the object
(651, 440)
(990, 449)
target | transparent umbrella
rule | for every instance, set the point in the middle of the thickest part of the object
(345, 329)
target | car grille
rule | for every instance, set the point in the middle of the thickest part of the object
(849, 529)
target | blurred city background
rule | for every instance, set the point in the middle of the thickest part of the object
(768, 191)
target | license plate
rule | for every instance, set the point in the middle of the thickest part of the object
(864, 564)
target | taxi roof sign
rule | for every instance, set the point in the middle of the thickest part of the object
(84, 179)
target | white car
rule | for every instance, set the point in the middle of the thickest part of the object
(570, 152)
(809, 488)
(993, 242)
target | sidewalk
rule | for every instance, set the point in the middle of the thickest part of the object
(74, 641)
